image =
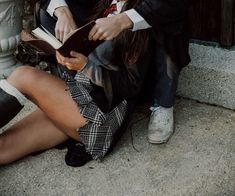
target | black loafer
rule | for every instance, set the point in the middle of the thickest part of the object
(76, 155)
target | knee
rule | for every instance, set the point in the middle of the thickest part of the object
(21, 72)
(22, 76)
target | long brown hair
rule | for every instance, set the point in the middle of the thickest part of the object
(128, 46)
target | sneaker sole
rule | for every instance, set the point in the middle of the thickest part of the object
(162, 141)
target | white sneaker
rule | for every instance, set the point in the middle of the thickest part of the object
(161, 124)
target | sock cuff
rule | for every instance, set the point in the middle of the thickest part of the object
(11, 90)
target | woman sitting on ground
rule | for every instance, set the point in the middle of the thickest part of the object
(88, 108)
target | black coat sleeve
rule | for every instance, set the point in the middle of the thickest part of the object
(164, 15)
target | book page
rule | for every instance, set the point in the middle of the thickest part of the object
(38, 32)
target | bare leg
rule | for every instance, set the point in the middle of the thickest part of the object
(34, 133)
(49, 93)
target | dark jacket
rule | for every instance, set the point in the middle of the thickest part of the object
(169, 21)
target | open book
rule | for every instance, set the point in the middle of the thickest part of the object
(43, 41)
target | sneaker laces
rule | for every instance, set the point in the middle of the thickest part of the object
(160, 115)
(153, 109)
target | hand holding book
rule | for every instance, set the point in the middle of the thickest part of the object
(65, 22)
(76, 62)
(108, 28)
(77, 41)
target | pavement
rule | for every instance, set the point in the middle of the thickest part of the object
(199, 159)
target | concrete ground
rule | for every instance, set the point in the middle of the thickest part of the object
(199, 159)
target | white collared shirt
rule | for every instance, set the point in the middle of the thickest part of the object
(138, 21)
(55, 4)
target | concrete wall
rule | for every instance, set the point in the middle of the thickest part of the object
(210, 77)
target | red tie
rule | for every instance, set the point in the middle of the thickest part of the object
(112, 8)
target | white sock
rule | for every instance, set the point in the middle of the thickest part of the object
(11, 90)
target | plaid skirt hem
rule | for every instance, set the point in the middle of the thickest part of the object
(97, 134)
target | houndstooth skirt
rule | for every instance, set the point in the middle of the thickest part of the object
(97, 134)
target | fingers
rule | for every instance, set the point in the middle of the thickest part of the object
(61, 59)
(81, 59)
(106, 29)
(97, 34)
(64, 25)
(58, 57)
(92, 33)
(61, 34)
(72, 61)
(75, 63)
(75, 54)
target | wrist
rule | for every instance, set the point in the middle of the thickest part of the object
(125, 21)
(61, 11)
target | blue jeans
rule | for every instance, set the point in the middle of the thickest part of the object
(161, 83)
